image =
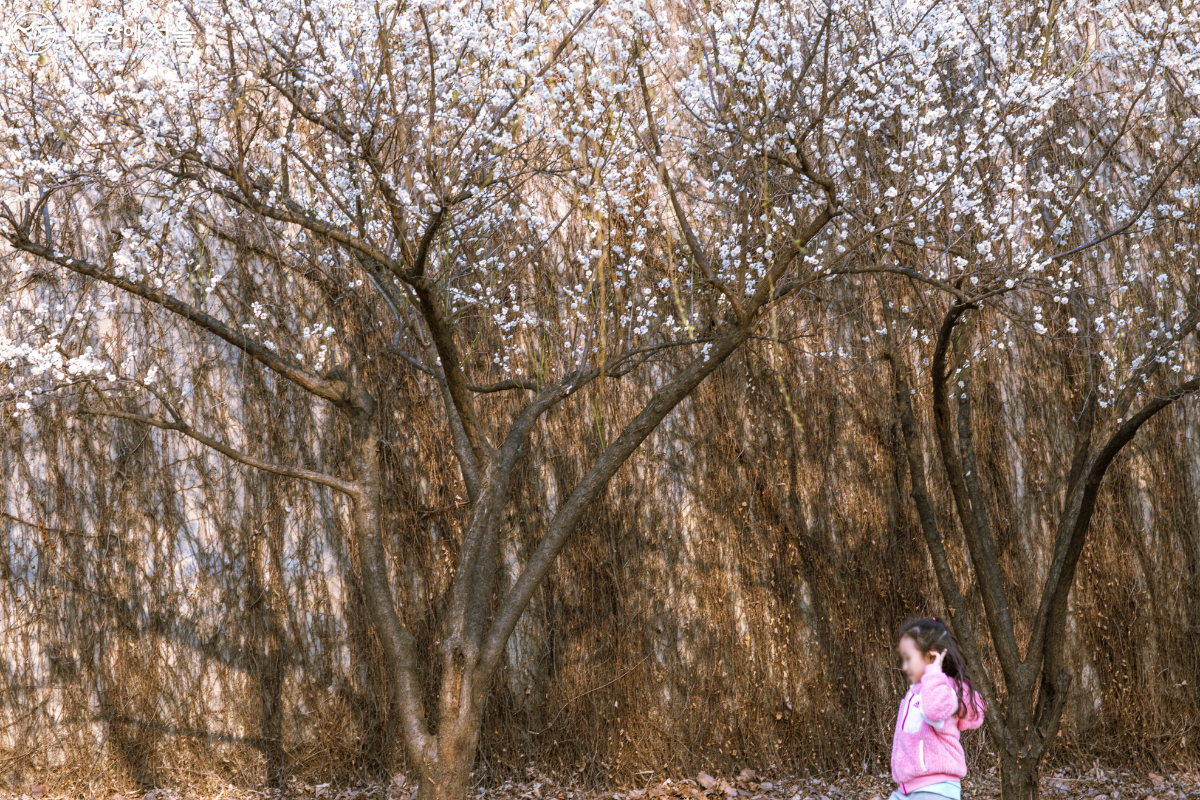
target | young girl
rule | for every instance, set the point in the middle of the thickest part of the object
(928, 761)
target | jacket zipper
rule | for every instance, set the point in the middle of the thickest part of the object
(907, 708)
(920, 745)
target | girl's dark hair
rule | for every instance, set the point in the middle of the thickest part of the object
(932, 634)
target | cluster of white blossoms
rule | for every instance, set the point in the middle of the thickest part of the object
(574, 180)
(44, 363)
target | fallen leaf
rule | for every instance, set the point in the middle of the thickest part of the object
(1157, 780)
(746, 775)
(705, 780)
(767, 785)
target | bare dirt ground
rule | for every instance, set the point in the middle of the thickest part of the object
(1091, 784)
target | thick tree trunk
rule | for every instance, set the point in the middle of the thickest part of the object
(1019, 777)
(1032, 728)
(449, 777)
(447, 782)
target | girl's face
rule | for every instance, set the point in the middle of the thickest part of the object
(914, 660)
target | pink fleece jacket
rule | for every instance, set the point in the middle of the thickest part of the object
(925, 746)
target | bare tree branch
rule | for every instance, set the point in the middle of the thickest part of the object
(345, 487)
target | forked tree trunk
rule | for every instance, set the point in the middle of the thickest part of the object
(474, 631)
(1024, 729)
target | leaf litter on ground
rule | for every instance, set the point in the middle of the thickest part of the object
(1092, 783)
